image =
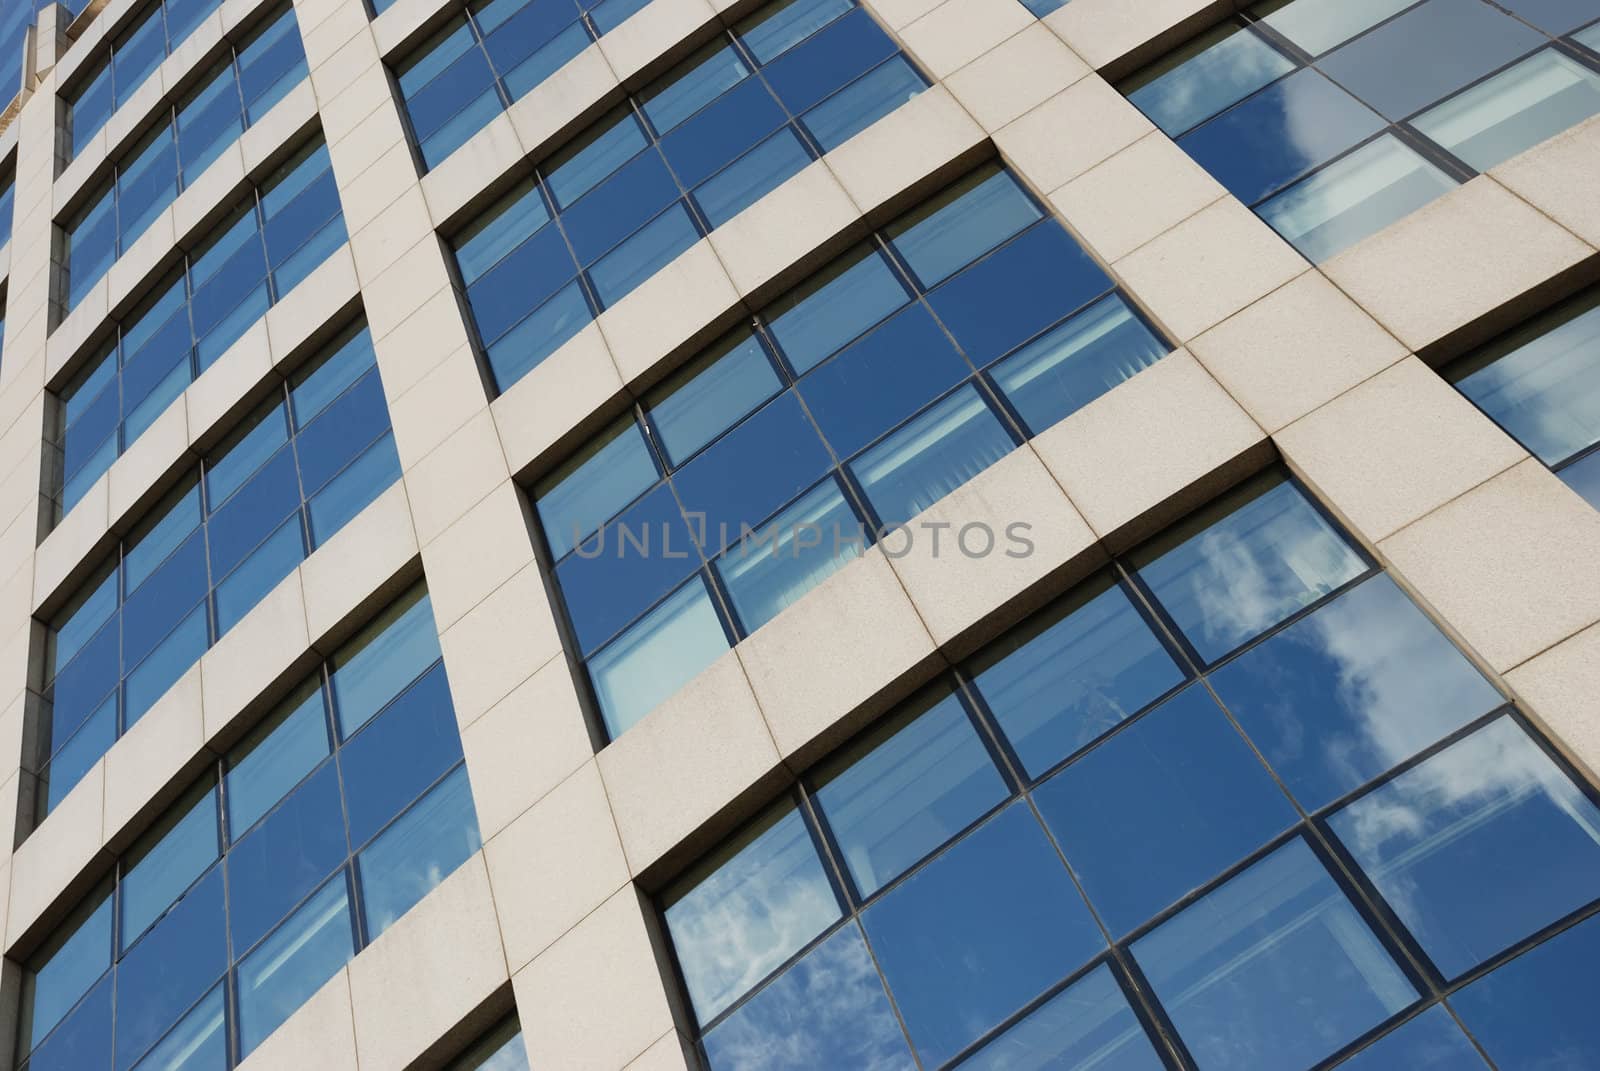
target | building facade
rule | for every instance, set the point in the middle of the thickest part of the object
(667, 534)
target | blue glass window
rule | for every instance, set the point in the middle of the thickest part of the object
(1227, 577)
(222, 920)
(1541, 383)
(646, 182)
(1205, 802)
(1088, 1025)
(1535, 1011)
(131, 58)
(1490, 813)
(1430, 1042)
(1391, 104)
(8, 191)
(258, 254)
(775, 456)
(214, 548)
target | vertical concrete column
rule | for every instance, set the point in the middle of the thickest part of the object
(554, 859)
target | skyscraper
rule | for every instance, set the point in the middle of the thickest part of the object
(656, 534)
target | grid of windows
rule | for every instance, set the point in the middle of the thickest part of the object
(484, 59)
(179, 146)
(1541, 384)
(1234, 803)
(311, 458)
(1321, 115)
(338, 813)
(856, 401)
(282, 231)
(132, 56)
(688, 154)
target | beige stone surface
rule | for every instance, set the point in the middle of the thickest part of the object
(1511, 566)
(147, 762)
(922, 137)
(1395, 448)
(1143, 191)
(499, 644)
(864, 647)
(478, 553)
(1016, 76)
(362, 566)
(558, 399)
(214, 401)
(784, 228)
(320, 1034)
(1300, 346)
(150, 457)
(445, 398)
(455, 476)
(1105, 31)
(959, 31)
(980, 562)
(431, 969)
(1469, 253)
(594, 999)
(668, 312)
(711, 726)
(1146, 442)
(1557, 687)
(553, 865)
(1557, 178)
(525, 745)
(647, 33)
(1083, 125)
(61, 850)
(270, 643)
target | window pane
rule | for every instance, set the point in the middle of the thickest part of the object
(580, 168)
(828, 1010)
(1087, 1027)
(648, 250)
(171, 857)
(1223, 68)
(285, 857)
(390, 654)
(1538, 1010)
(831, 308)
(422, 848)
(711, 395)
(1070, 366)
(1430, 1042)
(291, 965)
(399, 754)
(1273, 969)
(1241, 566)
(170, 968)
(198, 1043)
(748, 908)
(239, 592)
(524, 347)
(961, 224)
(937, 452)
(1480, 846)
(1203, 802)
(978, 932)
(68, 967)
(1353, 690)
(1515, 110)
(905, 789)
(1584, 478)
(791, 554)
(1282, 132)
(777, 27)
(348, 493)
(665, 650)
(594, 487)
(274, 758)
(83, 1039)
(863, 102)
(1318, 25)
(177, 653)
(1071, 675)
(1466, 40)
(1354, 197)
(691, 86)
(844, 50)
(751, 177)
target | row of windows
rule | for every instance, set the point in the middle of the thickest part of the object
(1542, 385)
(680, 159)
(131, 57)
(856, 401)
(1322, 116)
(1234, 803)
(183, 143)
(284, 228)
(345, 807)
(290, 477)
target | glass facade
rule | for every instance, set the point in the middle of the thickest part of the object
(183, 141)
(856, 401)
(1327, 119)
(288, 478)
(1235, 802)
(282, 231)
(335, 815)
(1541, 383)
(132, 56)
(686, 155)
(501, 1049)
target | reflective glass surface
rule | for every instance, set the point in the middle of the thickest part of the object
(222, 920)
(651, 178)
(1430, 1042)
(1536, 1011)
(1335, 118)
(207, 554)
(1087, 1027)
(255, 256)
(854, 403)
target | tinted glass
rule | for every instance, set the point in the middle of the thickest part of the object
(1430, 1042)
(1225, 67)
(1536, 1011)
(1086, 1027)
